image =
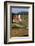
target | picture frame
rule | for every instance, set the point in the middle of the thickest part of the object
(18, 14)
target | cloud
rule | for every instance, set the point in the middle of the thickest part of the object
(16, 10)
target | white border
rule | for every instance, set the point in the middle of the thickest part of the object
(16, 39)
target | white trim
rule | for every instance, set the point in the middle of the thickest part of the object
(29, 22)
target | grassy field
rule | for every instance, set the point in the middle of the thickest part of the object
(20, 29)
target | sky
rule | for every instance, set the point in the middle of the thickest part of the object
(17, 10)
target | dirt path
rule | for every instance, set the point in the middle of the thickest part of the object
(19, 32)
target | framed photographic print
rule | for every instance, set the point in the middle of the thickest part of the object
(18, 22)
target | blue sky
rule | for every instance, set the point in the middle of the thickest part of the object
(16, 10)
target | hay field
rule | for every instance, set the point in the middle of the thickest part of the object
(20, 29)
